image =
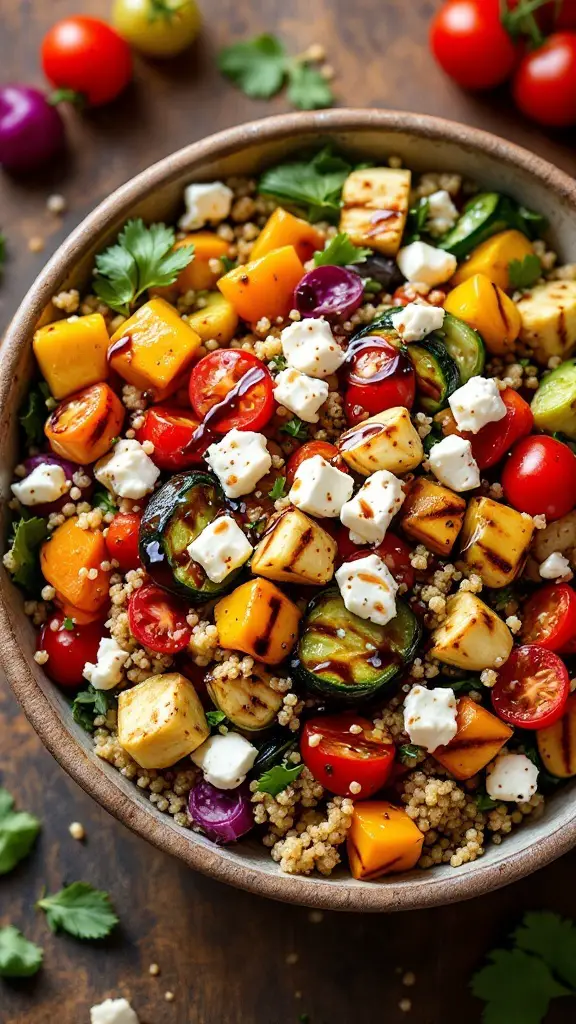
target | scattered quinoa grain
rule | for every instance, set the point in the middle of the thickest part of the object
(77, 831)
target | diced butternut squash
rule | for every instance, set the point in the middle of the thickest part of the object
(258, 619)
(375, 207)
(386, 441)
(479, 737)
(283, 228)
(557, 743)
(197, 275)
(83, 426)
(433, 515)
(72, 354)
(295, 549)
(153, 348)
(66, 559)
(264, 287)
(472, 636)
(382, 840)
(218, 319)
(161, 720)
(548, 316)
(486, 308)
(495, 540)
(493, 257)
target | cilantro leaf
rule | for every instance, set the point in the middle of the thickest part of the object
(312, 186)
(409, 750)
(257, 66)
(102, 499)
(416, 223)
(524, 273)
(515, 987)
(227, 263)
(279, 363)
(552, 938)
(33, 415)
(278, 489)
(341, 252)
(215, 718)
(295, 428)
(68, 624)
(278, 778)
(485, 802)
(80, 910)
(142, 258)
(90, 703)
(23, 556)
(307, 88)
(18, 831)
(19, 958)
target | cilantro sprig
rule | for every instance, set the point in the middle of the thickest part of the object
(276, 779)
(260, 67)
(278, 489)
(19, 958)
(18, 832)
(295, 428)
(102, 499)
(524, 273)
(80, 910)
(90, 703)
(312, 186)
(340, 252)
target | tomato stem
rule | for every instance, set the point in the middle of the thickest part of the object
(77, 99)
(521, 20)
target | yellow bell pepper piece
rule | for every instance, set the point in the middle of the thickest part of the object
(382, 839)
(258, 619)
(72, 355)
(479, 737)
(283, 228)
(264, 287)
(493, 257)
(484, 306)
(218, 319)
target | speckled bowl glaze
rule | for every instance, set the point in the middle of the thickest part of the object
(424, 143)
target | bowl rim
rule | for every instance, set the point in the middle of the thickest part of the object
(217, 863)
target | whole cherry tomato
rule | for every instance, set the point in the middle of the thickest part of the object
(87, 56)
(232, 388)
(69, 647)
(539, 477)
(549, 617)
(532, 688)
(171, 429)
(158, 620)
(545, 83)
(336, 756)
(471, 45)
(493, 441)
(122, 540)
(328, 451)
(157, 29)
(379, 377)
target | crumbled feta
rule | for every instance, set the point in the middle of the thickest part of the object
(477, 403)
(453, 464)
(430, 716)
(209, 203)
(107, 672)
(424, 264)
(319, 488)
(555, 566)
(239, 461)
(45, 483)
(127, 471)
(512, 777)
(417, 320)
(369, 513)
(225, 760)
(368, 589)
(220, 548)
(300, 394)
(113, 1011)
(309, 346)
(442, 214)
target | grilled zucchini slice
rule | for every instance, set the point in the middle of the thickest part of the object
(437, 375)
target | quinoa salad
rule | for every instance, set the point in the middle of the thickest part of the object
(295, 513)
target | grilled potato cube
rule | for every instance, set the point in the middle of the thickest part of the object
(375, 207)
(258, 619)
(548, 314)
(386, 441)
(480, 736)
(557, 743)
(472, 636)
(295, 550)
(433, 515)
(161, 720)
(495, 541)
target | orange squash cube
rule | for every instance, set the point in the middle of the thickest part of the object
(283, 228)
(258, 619)
(69, 550)
(479, 737)
(382, 840)
(83, 426)
(264, 287)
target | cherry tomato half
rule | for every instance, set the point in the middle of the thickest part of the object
(68, 650)
(471, 45)
(493, 441)
(549, 617)
(393, 551)
(122, 540)
(545, 83)
(87, 56)
(532, 688)
(342, 757)
(328, 451)
(158, 620)
(539, 477)
(379, 377)
(230, 388)
(171, 429)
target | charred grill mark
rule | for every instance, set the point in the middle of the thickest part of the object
(262, 643)
(300, 548)
(501, 308)
(471, 744)
(561, 328)
(494, 558)
(444, 511)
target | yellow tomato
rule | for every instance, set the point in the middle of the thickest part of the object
(158, 28)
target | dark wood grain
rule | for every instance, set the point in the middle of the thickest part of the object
(223, 953)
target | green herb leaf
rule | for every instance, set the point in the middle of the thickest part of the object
(515, 987)
(215, 718)
(416, 223)
(257, 66)
(142, 258)
(80, 910)
(524, 273)
(485, 802)
(257, 526)
(277, 778)
(409, 750)
(279, 362)
(552, 938)
(278, 489)
(313, 186)
(372, 286)
(18, 831)
(307, 88)
(102, 499)
(68, 624)
(340, 252)
(24, 563)
(227, 263)
(295, 428)
(19, 958)
(34, 413)
(90, 703)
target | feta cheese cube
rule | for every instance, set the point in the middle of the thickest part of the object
(512, 777)
(107, 672)
(45, 483)
(225, 760)
(417, 320)
(424, 264)
(319, 488)
(368, 589)
(555, 566)
(453, 464)
(369, 513)
(477, 403)
(220, 548)
(430, 716)
(207, 203)
(127, 471)
(239, 461)
(309, 346)
(442, 214)
(113, 1011)
(300, 394)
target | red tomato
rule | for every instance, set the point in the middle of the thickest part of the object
(171, 429)
(393, 551)
(308, 451)
(532, 688)
(158, 620)
(87, 56)
(230, 388)
(545, 83)
(69, 649)
(342, 757)
(539, 477)
(379, 377)
(122, 540)
(549, 617)
(492, 443)
(566, 16)
(471, 45)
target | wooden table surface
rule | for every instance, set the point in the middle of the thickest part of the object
(228, 957)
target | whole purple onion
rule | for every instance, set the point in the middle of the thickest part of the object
(48, 459)
(224, 814)
(330, 292)
(31, 131)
